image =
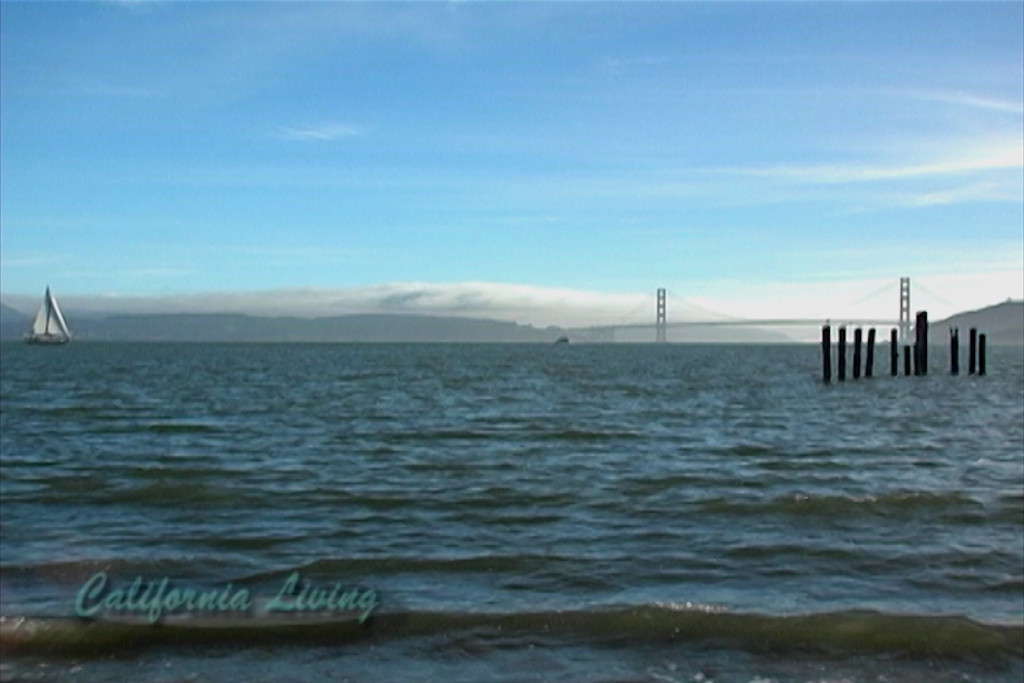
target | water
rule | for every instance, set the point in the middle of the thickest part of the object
(520, 513)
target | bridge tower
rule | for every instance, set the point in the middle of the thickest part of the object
(662, 325)
(904, 310)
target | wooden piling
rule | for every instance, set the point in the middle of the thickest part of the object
(906, 359)
(917, 355)
(972, 352)
(981, 354)
(841, 358)
(826, 353)
(921, 344)
(954, 351)
(923, 318)
(858, 339)
(870, 365)
(894, 353)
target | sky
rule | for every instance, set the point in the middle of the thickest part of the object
(550, 163)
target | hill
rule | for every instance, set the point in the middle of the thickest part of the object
(13, 323)
(196, 327)
(237, 327)
(1003, 325)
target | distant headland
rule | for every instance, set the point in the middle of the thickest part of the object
(1003, 323)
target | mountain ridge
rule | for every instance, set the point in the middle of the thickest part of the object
(1002, 324)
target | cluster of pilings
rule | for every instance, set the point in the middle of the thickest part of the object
(975, 352)
(915, 358)
(826, 353)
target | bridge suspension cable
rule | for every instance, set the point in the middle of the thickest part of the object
(937, 297)
(633, 311)
(885, 289)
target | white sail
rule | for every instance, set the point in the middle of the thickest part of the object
(49, 326)
(39, 324)
(57, 316)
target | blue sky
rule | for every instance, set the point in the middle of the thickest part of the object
(548, 162)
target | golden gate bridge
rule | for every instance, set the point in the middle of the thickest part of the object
(661, 325)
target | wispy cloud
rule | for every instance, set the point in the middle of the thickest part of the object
(967, 99)
(91, 87)
(322, 132)
(1009, 157)
(134, 4)
(31, 260)
(159, 272)
(287, 255)
(915, 175)
(618, 65)
(971, 192)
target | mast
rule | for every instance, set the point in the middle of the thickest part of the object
(49, 309)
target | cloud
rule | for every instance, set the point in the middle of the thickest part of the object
(32, 260)
(966, 99)
(135, 6)
(522, 303)
(159, 272)
(971, 192)
(322, 132)
(525, 304)
(89, 87)
(287, 255)
(617, 65)
(914, 175)
(1010, 156)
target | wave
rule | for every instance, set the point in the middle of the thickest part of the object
(896, 503)
(834, 633)
(386, 565)
(180, 427)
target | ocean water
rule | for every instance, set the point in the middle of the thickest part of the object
(506, 513)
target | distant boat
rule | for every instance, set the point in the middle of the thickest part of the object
(49, 326)
(562, 340)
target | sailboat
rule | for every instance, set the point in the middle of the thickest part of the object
(49, 326)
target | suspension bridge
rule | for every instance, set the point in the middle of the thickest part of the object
(661, 325)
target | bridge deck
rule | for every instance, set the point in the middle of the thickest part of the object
(757, 322)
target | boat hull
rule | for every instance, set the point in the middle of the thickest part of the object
(46, 340)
